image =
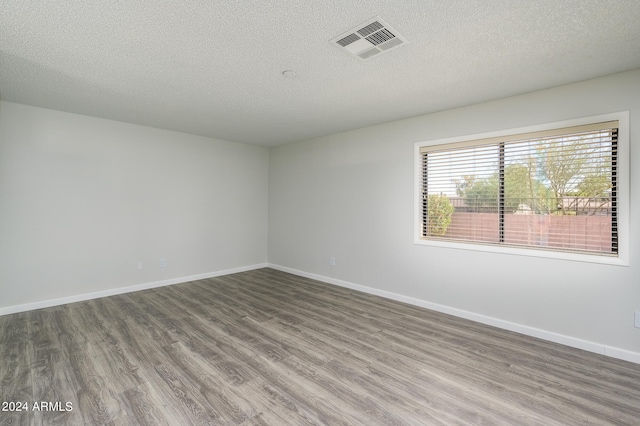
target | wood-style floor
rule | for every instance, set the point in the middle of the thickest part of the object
(269, 348)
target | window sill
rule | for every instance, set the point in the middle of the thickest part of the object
(541, 253)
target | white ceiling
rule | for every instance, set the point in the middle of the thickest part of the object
(214, 68)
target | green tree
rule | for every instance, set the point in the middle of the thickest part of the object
(552, 178)
(522, 189)
(594, 186)
(483, 194)
(519, 189)
(439, 210)
(574, 168)
(467, 181)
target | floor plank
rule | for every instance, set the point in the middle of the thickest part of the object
(265, 347)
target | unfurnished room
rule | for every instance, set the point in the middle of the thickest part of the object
(319, 213)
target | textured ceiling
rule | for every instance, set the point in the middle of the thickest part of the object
(214, 68)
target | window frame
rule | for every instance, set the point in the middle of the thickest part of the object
(622, 259)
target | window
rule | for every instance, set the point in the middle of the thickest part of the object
(558, 190)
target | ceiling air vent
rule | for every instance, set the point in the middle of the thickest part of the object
(369, 39)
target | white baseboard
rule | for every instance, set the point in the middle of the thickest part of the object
(496, 322)
(120, 290)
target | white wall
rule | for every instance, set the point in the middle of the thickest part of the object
(83, 199)
(350, 195)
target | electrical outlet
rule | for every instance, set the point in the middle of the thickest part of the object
(139, 264)
(332, 261)
(637, 319)
(163, 263)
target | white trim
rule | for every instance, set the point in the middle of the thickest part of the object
(623, 192)
(573, 342)
(496, 322)
(121, 290)
(622, 354)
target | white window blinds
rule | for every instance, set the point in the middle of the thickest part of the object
(550, 190)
